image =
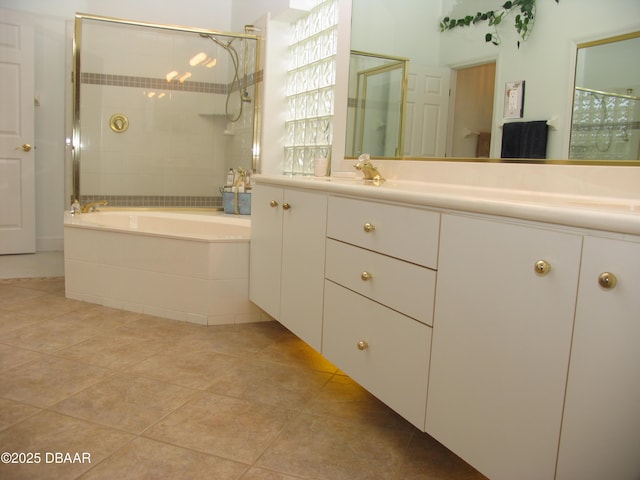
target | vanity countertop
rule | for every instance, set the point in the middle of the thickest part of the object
(620, 215)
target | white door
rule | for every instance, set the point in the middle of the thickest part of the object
(17, 170)
(427, 111)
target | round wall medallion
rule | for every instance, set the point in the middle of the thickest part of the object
(119, 122)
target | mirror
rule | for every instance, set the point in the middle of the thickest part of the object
(377, 99)
(606, 108)
(161, 113)
(442, 56)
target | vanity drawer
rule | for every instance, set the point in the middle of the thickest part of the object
(393, 360)
(402, 232)
(405, 287)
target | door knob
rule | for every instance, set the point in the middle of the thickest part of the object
(25, 148)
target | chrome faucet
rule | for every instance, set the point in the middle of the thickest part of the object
(91, 207)
(370, 172)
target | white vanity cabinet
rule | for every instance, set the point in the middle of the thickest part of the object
(379, 293)
(501, 343)
(287, 258)
(601, 424)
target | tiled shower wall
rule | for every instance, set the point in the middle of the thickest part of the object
(179, 143)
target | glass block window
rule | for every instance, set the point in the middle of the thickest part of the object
(604, 125)
(310, 88)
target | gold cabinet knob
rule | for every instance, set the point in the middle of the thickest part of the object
(26, 147)
(286, 206)
(366, 276)
(369, 227)
(362, 345)
(273, 203)
(607, 280)
(542, 267)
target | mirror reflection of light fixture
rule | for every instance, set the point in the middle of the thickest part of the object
(172, 75)
(211, 63)
(184, 76)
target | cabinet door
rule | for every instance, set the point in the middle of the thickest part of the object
(501, 341)
(303, 253)
(266, 248)
(601, 424)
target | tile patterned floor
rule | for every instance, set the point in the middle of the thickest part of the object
(149, 398)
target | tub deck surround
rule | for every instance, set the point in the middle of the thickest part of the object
(184, 266)
(619, 215)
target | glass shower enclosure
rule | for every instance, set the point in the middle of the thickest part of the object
(161, 113)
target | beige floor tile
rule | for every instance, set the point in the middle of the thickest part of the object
(285, 386)
(325, 448)
(47, 433)
(192, 369)
(47, 304)
(227, 427)
(262, 474)
(102, 317)
(53, 285)
(11, 294)
(344, 399)
(50, 335)
(11, 356)
(111, 351)
(48, 380)
(125, 401)
(13, 320)
(239, 340)
(426, 459)
(290, 350)
(13, 412)
(148, 459)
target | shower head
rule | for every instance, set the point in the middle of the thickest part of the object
(217, 41)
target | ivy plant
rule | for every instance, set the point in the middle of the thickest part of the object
(524, 19)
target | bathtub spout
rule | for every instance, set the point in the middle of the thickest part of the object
(91, 207)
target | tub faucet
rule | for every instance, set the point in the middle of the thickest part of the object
(370, 172)
(91, 207)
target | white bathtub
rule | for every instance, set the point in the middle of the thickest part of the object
(184, 266)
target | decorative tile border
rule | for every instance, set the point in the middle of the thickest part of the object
(156, 201)
(112, 80)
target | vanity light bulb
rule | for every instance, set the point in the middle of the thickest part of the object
(184, 76)
(212, 63)
(172, 75)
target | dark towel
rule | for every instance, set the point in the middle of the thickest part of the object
(525, 139)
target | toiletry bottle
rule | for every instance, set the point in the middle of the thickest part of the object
(75, 207)
(230, 177)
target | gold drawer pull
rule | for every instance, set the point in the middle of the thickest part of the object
(273, 203)
(369, 227)
(362, 345)
(542, 267)
(286, 206)
(366, 276)
(607, 280)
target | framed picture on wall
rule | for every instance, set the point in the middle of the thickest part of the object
(514, 99)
